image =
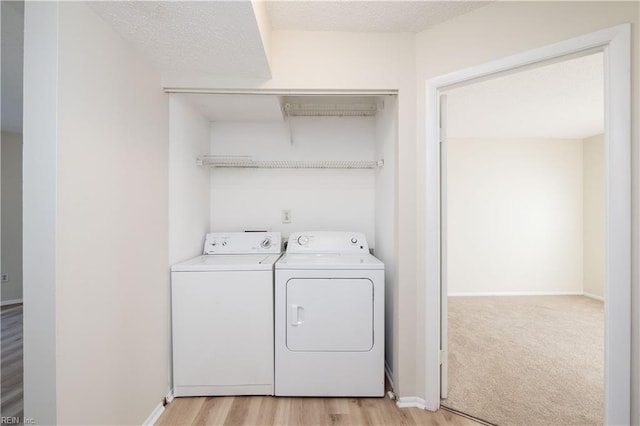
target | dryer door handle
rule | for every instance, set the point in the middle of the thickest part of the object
(297, 315)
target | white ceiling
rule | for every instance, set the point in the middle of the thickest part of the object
(374, 16)
(217, 37)
(562, 100)
(12, 54)
(223, 38)
(234, 107)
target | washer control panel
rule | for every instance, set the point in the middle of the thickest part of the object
(327, 242)
(242, 242)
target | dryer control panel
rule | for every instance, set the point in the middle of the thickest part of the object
(242, 242)
(327, 242)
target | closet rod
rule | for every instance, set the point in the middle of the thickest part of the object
(243, 162)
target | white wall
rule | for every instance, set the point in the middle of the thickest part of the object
(12, 57)
(189, 214)
(40, 168)
(594, 219)
(11, 291)
(319, 199)
(96, 223)
(514, 216)
(521, 212)
(501, 29)
(328, 60)
(112, 290)
(385, 227)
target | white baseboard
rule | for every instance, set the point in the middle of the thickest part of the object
(155, 415)
(389, 374)
(411, 402)
(157, 412)
(514, 293)
(593, 296)
(531, 293)
(10, 302)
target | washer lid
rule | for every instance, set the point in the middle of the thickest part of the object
(232, 262)
(328, 261)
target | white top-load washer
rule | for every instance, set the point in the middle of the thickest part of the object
(329, 317)
(222, 316)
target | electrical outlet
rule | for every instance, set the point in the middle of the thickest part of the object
(4, 278)
(286, 216)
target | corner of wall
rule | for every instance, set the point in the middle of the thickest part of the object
(594, 220)
(39, 217)
(264, 27)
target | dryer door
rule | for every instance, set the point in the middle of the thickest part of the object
(329, 315)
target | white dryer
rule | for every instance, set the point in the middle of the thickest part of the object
(222, 316)
(329, 317)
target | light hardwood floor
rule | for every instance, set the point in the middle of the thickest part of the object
(11, 404)
(267, 410)
(240, 410)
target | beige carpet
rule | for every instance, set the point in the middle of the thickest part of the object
(527, 360)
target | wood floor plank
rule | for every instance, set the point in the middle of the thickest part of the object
(338, 411)
(296, 411)
(244, 411)
(11, 383)
(387, 413)
(214, 411)
(11, 365)
(281, 411)
(337, 405)
(182, 411)
(267, 411)
(356, 415)
(442, 417)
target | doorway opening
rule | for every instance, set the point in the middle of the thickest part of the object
(11, 262)
(523, 209)
(614, 44)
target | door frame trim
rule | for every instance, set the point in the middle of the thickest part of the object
(615, 43)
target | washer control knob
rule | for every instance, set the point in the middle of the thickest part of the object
(224, 243)
(214, 243)
(266, 243)
(354, 240)
(303, 240)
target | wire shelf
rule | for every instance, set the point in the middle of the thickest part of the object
(330, 110)
(246, 162)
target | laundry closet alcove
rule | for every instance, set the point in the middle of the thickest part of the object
(286, 163)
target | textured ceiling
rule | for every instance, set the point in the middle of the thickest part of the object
(378, 16)
(562, 100)
(224, 38)
(12, 54)
(217, 37)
